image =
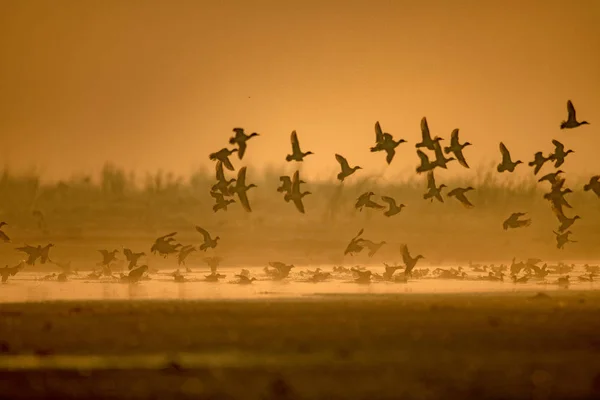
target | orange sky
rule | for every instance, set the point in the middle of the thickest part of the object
(160, 84)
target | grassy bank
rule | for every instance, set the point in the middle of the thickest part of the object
(117, 208)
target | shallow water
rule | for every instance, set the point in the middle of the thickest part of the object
(29, 287)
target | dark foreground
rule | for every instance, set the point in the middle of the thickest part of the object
(378, 347)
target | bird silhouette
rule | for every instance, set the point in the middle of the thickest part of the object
(295, 194)
(241, 189)
(385, 142)
(393, 209)
(35, 253)
(3, 236)
(433, 190)
(164, 245)
(514, 222)
(593, 185)
(456, 148)
(132, 258)
(223, 156)
(552, 177)
(425, 165)
(10, 271)
(538, 161)
(297, 154)
(459, 194)
(409, 262)
(562, 239)
(364, 200)
(222, 185)
(507, 164)
(346, 170)
(183, 254)
(240, 138)
(354, 245)
(209, 243)
(440, 159)
(571, 121)
(221, 203)
(372, 246)
(566, 222)
(559, 153)
(426, 141)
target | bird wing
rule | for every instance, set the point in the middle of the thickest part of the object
(523, 223)
(296, 183)
(104, 253)
(217, 196)
(378, 133)
(241, 179)
(405, 255)
(425, 130)
(244, 200)
(359, 233)
(431, 180)
(390, 155)
(166, 236)
(204, 233)
(505, 153)
(241, 149)
(461, 158)
(295, 143)
(220, 174)
(424, 159)
(454, 136)
(571, 110)
(342, 161)
(559, 147)
(27, 249)
(4, 237)
(389, 200)
(463, 199)
(227, 163)
(128, 254)
(299, 204)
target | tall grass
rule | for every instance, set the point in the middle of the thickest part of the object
(118, 206)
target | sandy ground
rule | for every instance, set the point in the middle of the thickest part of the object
(415, 346)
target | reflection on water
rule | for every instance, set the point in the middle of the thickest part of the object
(27, 287)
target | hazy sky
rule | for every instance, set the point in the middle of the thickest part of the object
(160, 84)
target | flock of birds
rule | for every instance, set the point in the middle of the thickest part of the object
(225, 190)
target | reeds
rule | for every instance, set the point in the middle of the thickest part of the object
(117, 200)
